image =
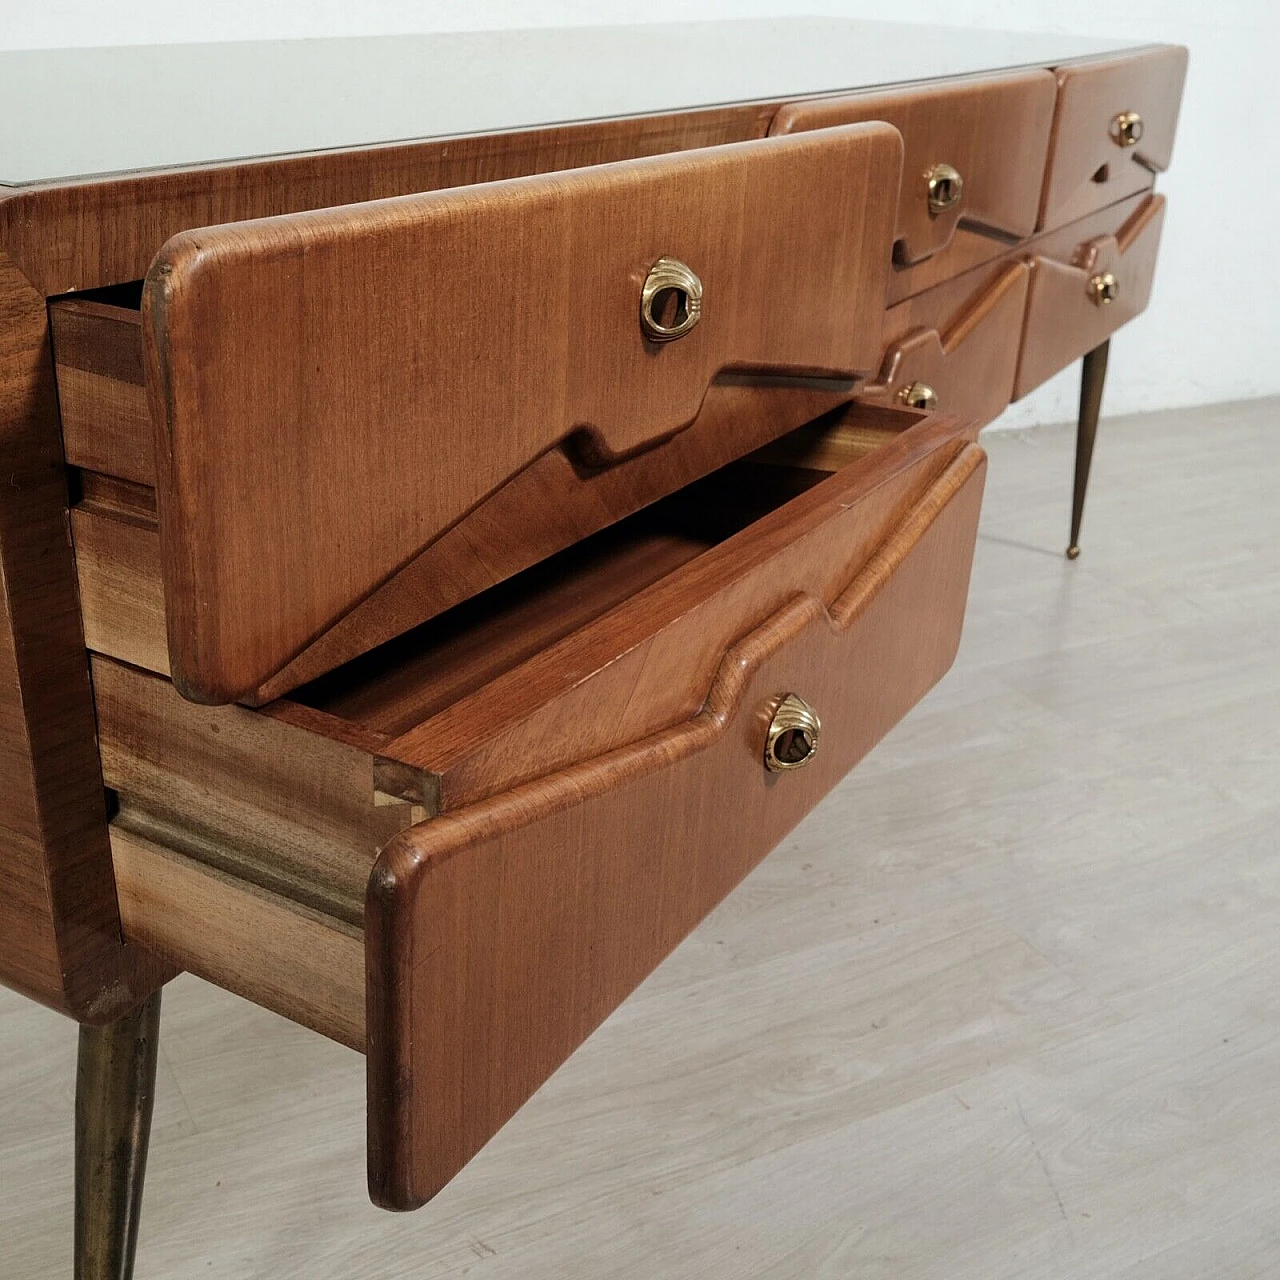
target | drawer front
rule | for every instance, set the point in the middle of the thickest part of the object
(501, 934)
(1112, 132)
(1082, 293)
(550, 505)
(336, 389)
(955, 347)
(993, 132)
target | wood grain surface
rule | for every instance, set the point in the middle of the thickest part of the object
(592, 650)
(648, 663)
(244, 840)
(485, 973)
(994, 130)
(304, 964)
(317, 428)
(546, 507)
(60, 939)
(1063, 320)
(289, 802)
(1087, 169)
(967, 356)
(102, 398)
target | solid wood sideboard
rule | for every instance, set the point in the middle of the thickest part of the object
(436, 571)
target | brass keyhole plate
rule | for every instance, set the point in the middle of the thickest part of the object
(1126, 129)
(792, 740)
(919, 395)
(946, 186)
(1104, 288)
(671, 301)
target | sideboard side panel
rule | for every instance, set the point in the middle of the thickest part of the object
(60, 937)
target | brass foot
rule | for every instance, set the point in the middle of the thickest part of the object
(115, 1088)
(1073, 552)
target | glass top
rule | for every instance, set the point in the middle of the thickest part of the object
(79, 112)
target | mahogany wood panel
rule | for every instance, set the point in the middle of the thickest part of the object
(318, 427)
(1063, 318)
(244, 839)
(485, 973)
(968, 356)
(1087, 167)
(303, 964)
(117, 547)
(994, 130)
(60, 939)
(59, 921)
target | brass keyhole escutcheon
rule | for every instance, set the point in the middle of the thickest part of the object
(792, 740)
(1104, 289)
(671, 301)
(1126, 129)
(946, 186)
(919, 395)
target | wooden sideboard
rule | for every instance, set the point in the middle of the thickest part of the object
(436, 571)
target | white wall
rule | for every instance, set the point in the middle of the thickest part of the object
(1211, 332)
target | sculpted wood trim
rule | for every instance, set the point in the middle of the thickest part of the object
(333, 390)
(499, 936)
(1063, 319)
(994, 130)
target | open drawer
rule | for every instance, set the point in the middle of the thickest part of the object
(339, 423)
(461, 851)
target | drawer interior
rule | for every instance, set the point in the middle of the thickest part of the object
(420, 674)
(284, 809)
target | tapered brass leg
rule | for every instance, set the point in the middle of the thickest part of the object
(1092, 377)
(115, 1087)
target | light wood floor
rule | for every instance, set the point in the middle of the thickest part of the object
(1006, 1005)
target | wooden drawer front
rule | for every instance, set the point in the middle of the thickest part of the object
(993, 131)
(1066, 311)
(486, 971)
(548, 506)
(956, 343)
(1089, 164)
(336, 389)
(613, 693)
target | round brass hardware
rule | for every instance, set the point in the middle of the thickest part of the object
(919, 395)
(1126, 129)
(946, 186)
(1104, 289)
(792, 740)
(670, 302)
